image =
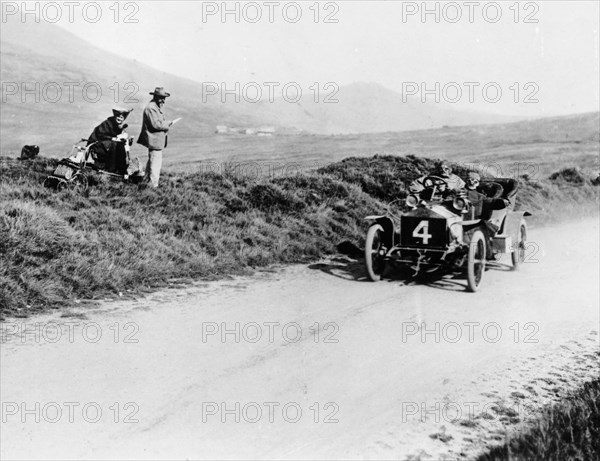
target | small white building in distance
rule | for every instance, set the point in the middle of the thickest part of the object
(265, 131)
(262, 131)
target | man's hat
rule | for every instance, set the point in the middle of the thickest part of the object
(119, 111)
(473, 175)
(443, 165)
(160, 91)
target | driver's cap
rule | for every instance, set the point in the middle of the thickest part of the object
(473, 176)
(443, 165)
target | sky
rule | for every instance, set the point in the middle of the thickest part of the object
(532, 58)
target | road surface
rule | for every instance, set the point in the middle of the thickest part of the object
(307, 362)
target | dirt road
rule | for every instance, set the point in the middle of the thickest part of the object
(307, 362)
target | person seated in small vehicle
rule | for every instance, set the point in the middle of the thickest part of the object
(444, 171)
(110, 142)
(483, 205)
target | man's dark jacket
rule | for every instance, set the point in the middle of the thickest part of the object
(107, 151)
(107, 130)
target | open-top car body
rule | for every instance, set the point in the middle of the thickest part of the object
(444, 231)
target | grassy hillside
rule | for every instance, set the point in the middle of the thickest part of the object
(569, 193)
(61, 246)
(47, 54)
(538, 147)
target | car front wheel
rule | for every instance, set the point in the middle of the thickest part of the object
(375, 252)
(475, 261)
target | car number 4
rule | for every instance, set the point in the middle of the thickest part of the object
(422, 232)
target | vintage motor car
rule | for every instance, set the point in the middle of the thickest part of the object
(447, 232)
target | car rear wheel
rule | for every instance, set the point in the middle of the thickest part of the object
(475, 261)
(79, 183)
(50, 182)
(518, 254)
(61, 185)
(375, 252)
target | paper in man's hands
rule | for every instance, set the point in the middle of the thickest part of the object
(175, 121)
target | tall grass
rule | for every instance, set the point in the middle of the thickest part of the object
(565, 194)
(59, 246)
(56, 246)
(567, 431)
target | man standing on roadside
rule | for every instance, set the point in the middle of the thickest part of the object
(154, 134)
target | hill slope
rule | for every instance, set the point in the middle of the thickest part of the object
(367, 108)
(47, 54)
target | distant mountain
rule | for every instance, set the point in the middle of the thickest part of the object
(51, 57)
(367, 108)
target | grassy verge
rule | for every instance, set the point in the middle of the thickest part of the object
(567, 431)
(57, 246)
(569, 194)
(60, 246)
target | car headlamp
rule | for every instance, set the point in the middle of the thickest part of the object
(412, 201)
(460, 203)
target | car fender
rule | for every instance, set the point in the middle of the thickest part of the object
(471, 224)
(512, 223)
(484, 227)
(388, 228)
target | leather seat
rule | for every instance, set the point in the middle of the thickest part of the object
(491, 189)
(508, 185)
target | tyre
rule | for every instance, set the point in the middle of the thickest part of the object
(375, 252)
(518, 254)
(61, 185)
(79, 183)
(475, 261)
(49, 183)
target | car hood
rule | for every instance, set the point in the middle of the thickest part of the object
(435, 211)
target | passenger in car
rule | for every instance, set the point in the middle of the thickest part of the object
(483, 204)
